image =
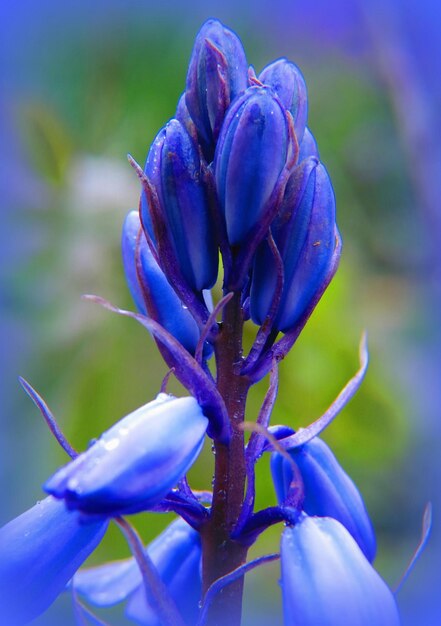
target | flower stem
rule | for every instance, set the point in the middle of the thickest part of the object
(221, 554)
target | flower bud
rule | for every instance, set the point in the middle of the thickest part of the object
(308, 147)
(175, 171)
(251, 153)
(150, 289)
(286, 80)
(327, 580)
(304, 233)
(176, 554)
(217, 73)
(134, 464)
(328, 491)
(39, 552)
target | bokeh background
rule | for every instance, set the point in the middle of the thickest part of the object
(82, 84)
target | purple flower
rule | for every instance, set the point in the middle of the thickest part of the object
(135, 463)
(326, 579)
(39, 552)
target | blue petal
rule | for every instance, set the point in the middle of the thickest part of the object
(185, 204)
(111, 583)
(304, 233)
(308, 147)
(136, 462)
(326, 579)
(328, 490)
(39, 552)
(250, 156)
(287, 81)
(155, 295)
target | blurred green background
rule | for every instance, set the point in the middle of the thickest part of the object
(85, 84)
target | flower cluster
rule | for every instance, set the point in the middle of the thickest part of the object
(236, 174)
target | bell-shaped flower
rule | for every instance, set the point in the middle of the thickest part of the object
(251, 154)
(150, 289)
(327, 581)
(39, 553)
(176, 554)
(217, 73)
(174, 169)
(287, 81)
(134, 464)
(328, 491)
(304, 233)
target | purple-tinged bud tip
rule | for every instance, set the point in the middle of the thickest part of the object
(287, 82)
(217, 74)
(326, 579)
(134, 464)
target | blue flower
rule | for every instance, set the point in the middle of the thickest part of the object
(176, 553)
(39, 552)
(135, 463)
(327, 581)
(251, 154)
(304, 233)
(327, 490)
(217, 73)
(150, 289)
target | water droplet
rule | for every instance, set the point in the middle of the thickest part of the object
(112, 444)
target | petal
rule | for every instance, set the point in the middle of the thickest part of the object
(136, 462)
(327, 580)
(39, 552)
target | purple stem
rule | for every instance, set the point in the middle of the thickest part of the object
(220, 583)
(48, 417)
(304, 435)
(265, 330)
(255, 448)
(206, 331)
(155, 589)
(261, 520)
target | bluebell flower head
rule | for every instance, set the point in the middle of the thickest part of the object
(217, 74)
(328, 491)
(304, 233)
(174, 169)
(176, 553)
(150, 289)
(288, 83)
(326, 579)
(40, 551)
(251, 154)
(134, 464)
